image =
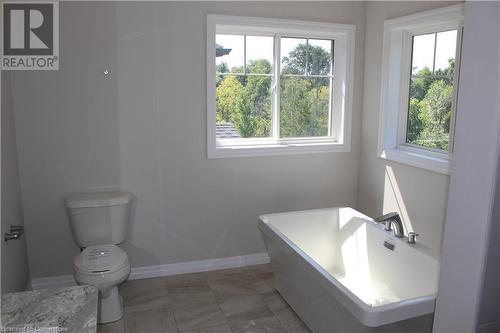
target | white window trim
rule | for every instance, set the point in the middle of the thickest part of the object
(395, 86)
(340, 141)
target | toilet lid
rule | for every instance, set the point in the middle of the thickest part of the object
(100, 259)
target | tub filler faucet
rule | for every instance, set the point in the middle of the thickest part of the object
(388, 220)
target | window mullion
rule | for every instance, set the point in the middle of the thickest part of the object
(331, 128)
(245, 54)
(307, 58)
(277, 89)
(330, 111)
(434, 58)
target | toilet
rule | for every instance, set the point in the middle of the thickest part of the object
(99, 222)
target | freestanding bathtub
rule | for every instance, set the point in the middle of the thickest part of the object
(342, 272)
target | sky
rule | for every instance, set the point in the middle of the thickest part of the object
(261, 47)
(423, 49)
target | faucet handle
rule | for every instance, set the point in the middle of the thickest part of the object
(412, 237)
(387, 216)
(388, 225)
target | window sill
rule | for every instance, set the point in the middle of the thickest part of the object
(229, 151)
(419, 160)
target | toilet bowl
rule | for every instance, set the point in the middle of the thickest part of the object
(104, 267)
(99, 221)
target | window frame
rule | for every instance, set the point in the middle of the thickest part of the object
(405, 96)
(342, 76)
(396, 74)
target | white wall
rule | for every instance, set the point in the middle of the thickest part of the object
(489, 316)
(15, 274)
(473, 214)
(143, 130)
(384, 186)
(489, 302)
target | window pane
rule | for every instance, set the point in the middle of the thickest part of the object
(320, 56)
(260, 50)
(423, 53)
(229, 53)
(293, 56)
(430, 111)
(243, 106)
(446, 46)
(431, 90)
(304, 107)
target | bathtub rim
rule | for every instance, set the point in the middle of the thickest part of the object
(368, 315)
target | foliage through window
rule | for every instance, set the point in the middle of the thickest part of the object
(306, 67)
(244, 86)
(432, 93)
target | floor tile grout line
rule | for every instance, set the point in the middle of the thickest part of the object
(204, 327)
(253, 274)
(217, 304)
(220, 308)
(175, 321)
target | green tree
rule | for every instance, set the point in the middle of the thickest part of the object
(418, 119)
(421, 83)
(439, 99)
(226, 100)
(260, 66)
(245, 100)
(305, 101)
(295, 114)
(317, 58)
(430, 107)
(447, 73)
(222, 68)
(243, 120)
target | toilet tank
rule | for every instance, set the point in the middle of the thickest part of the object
(99, 218)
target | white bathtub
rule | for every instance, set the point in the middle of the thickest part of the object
(332, 267)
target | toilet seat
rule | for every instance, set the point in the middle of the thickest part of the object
(100, 259)
(104, 267)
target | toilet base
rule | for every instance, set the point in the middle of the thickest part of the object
(110, 306)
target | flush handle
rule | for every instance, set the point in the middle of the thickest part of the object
(15, 232)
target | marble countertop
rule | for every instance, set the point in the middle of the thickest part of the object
(72, 310)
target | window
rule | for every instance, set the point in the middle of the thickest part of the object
(432, 93)
(277, 86)
(421, 66)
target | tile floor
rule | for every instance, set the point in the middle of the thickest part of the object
(241, 300)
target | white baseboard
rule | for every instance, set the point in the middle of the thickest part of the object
(198, 266)
(491, 327)
(164, 270)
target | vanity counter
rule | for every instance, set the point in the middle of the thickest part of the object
(71, 309)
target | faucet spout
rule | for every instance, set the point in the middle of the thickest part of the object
(392, 219)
